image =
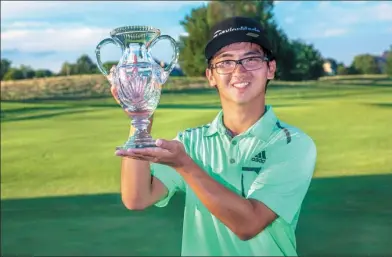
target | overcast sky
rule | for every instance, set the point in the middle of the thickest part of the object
(46, 34)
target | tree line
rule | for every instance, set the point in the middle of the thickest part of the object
(296, 60)
(83, 65)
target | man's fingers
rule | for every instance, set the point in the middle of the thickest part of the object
(113, 88)
(150, 152)
(114, 92)
(165, 144)
(153, 152)
(136, 156)
(144, 158)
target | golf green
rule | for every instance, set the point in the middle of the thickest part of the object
(60, 178)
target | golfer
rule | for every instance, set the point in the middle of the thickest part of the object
(245, 174)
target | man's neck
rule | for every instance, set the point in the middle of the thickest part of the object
(239, 118)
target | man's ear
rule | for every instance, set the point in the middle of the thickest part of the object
(210, 77)
(271, 69)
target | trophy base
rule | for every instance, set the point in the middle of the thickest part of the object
(138, 141)
(141, 138)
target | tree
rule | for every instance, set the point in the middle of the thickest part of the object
(308, 62)
(366, 64)
(260, 10)
(85, 65)
(66, 69)
(27, 71)
(191, 46)
(352, 70)
(388, 65)
(14, 74)
(5, 66)
(109, 64)
(341, 69)
(42, 73)
(200, 20)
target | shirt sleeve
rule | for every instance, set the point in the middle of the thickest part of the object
(170, 178)
(284, 182)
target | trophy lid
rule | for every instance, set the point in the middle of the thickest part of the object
(135, 34)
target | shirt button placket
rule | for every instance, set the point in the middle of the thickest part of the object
(234, 151)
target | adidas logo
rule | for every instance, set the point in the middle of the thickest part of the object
(260, 157)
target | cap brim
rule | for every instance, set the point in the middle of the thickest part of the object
(214, 45)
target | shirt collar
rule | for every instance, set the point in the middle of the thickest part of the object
(262, 129)
(216, 125)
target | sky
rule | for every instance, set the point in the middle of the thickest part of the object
(46, 34)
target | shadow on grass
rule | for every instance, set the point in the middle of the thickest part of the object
(331, 93)
(20, 115)
(340, 216)
(72, 107)
(10, 114)
(381, 105)
(359, 81)
(56, 99)
(76, 97)
(90, 225)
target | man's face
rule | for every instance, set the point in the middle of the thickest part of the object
(240, 86)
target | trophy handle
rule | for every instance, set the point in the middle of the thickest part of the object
(176, 51)
(98, 53)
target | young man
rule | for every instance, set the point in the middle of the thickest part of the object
(245, 174)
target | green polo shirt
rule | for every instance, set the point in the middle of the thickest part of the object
(271, 162)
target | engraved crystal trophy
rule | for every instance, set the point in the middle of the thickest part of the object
(138, 78)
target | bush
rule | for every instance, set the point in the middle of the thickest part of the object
(78, 86)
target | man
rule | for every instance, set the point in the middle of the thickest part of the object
(245, 174)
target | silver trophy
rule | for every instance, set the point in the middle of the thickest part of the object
(137, 79)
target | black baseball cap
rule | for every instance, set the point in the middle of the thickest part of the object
(235, 30)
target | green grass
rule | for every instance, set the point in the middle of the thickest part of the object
(60, 178)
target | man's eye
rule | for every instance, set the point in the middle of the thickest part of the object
(225, 63)
(253, 59)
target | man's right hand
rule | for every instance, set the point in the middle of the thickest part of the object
(113, 89)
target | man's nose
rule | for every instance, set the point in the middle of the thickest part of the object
(239, 68)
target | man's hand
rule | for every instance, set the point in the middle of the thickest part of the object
(113, 88)
(168, 152)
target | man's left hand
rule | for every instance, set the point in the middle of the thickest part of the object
(168, 152)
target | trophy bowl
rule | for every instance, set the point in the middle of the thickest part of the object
(137, 79)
